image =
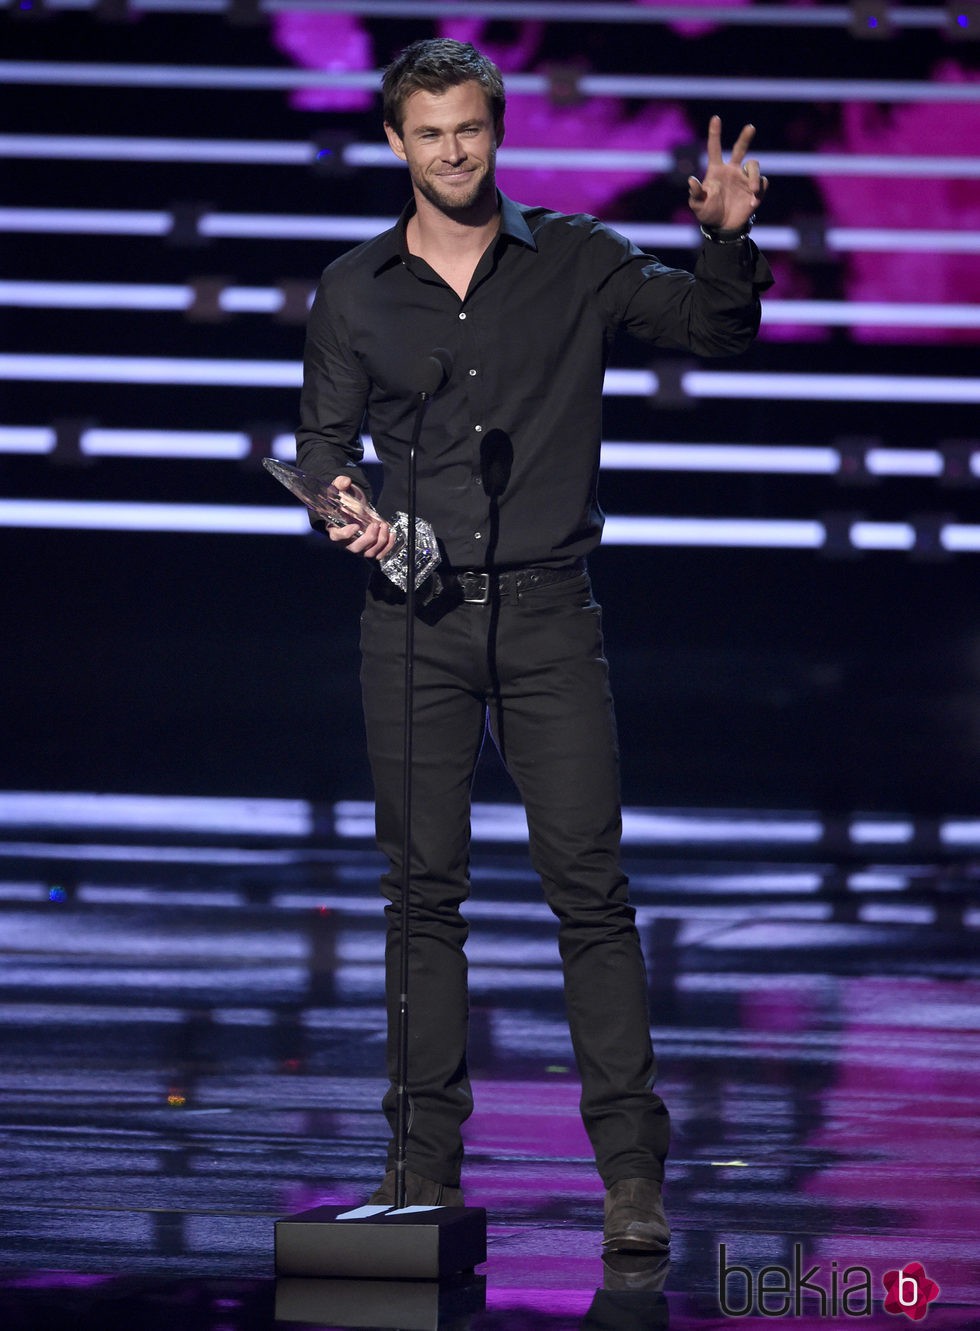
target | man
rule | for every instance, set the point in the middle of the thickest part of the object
(507, 634)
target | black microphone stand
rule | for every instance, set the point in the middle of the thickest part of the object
(401, 1065)
(372, 1242)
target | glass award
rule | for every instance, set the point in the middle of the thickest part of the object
(340, 508)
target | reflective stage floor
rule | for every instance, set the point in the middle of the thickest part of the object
(192, 1044)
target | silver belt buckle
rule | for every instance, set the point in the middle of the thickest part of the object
(476, 588)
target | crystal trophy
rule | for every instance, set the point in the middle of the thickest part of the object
(341, 507)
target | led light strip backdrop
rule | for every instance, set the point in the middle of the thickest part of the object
(790, 572)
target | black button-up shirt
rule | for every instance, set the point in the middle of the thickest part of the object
(509, 455)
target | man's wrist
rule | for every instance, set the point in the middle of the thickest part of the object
(720, 235)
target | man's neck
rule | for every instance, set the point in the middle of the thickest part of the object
(431, 231)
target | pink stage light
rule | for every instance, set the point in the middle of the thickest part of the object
(336, 42)
(952, 204)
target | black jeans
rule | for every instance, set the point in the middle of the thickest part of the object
(533, 664)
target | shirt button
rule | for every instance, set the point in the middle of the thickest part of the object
(478, 428)
(462, 316)
(472, 372)
(477, 535)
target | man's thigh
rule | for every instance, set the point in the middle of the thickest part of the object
(449, 719)
(555, 725)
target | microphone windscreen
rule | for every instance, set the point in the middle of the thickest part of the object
(433, 371)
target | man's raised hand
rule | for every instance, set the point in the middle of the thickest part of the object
(731, 191)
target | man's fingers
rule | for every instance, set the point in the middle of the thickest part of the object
(755, 180)
(344, 534)
(695, 190)
(742, 143)
(741, 147)
(373, 541)
(714, 141)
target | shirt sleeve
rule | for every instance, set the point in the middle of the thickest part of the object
(334, 396)
(714, 311)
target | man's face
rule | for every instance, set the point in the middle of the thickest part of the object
(449, 141)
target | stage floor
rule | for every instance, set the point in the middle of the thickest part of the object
(192, 1046)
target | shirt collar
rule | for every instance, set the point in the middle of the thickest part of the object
(393, 248)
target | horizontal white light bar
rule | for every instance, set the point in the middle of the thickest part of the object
(553, 11)
(507, 822)
(95, 296)
(72, 73)
(630, 383)
(207, 519)
(828, 387)
(624, 455)
(646, 826)
(869, 164)
(896, 913)
(115, 148)
(904, 462)
(156, 813)
(86, 221)
(628, 456)
(618, 383)
(211, 226)
(878, 880)
(144, 853)
(27, 439)
(882, 536)
(727, 533)
(257, 152)
(194, 444)
(874, 831)
(273, 226)
(788, 459)
(893, 241)
(136, 296)
(878, 314)
(240, 520)
(270, 300)
(96, 442)
(958, 538)
(960, 832)
(757, 89)
(75, 74)
(69, 810)
(152, 370)
(246, 226)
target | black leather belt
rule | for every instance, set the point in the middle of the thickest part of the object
(476, 585)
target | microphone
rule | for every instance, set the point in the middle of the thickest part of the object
(432, 371)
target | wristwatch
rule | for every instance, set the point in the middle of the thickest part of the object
(720, 235)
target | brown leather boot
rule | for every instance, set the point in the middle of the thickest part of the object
(634, 1217)
(419, 1191)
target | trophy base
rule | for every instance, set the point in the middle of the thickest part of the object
(395, 565)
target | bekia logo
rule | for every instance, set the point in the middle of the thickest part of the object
(909, 1291)
(779, 1291)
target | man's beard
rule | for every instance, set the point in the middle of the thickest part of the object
(457, 201)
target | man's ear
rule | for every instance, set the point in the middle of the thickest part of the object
(395, 141)
(499, 131)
